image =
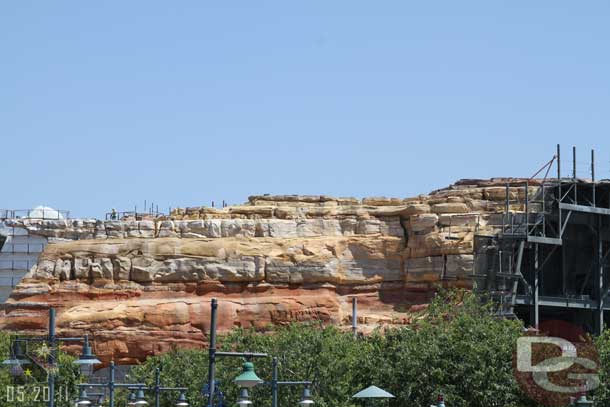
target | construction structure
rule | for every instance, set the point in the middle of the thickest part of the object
(19, 250)
(548, 256)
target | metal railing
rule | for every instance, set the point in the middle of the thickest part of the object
(132, 215)
(36, 213)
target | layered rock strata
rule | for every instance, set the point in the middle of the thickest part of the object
(141, 286)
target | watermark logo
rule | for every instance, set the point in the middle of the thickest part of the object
(556, 363)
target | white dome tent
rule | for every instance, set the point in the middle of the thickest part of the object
(44, 212)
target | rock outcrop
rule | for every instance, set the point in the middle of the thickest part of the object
(141, 286)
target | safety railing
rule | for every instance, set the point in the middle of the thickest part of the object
(36, 213)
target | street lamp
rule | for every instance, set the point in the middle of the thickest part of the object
(17, 357)
(97, 399)
(182, 401)
(249, 380)
(248, 377)
(52, 342)
(306, 398)
(136, 397)
(140, 399)
(244, 398)
(276, 383)
(87, 359)
(83, 400)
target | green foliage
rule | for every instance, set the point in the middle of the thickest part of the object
(463, 351)
(457, 346)
(602, 394)
(31, 390)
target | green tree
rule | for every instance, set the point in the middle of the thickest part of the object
(30, 389)
(602, 394)
(456, 346)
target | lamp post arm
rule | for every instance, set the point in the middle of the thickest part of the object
(295, 383)
(242, 354)
(136, 386)
(33, 339)
(74, 339)
(130, 386)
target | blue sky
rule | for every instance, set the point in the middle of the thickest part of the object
(106, 104)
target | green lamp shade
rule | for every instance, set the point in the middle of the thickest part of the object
(373, 392)
(248, 378)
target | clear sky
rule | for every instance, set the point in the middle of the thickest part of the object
(105, 104)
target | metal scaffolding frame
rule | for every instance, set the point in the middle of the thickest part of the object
(549, 256)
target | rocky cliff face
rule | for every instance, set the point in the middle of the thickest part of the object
(140, 287)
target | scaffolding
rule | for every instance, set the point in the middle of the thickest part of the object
(19, 250)
(548, 257)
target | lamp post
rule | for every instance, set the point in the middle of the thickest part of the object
(247, 379)
(18, 357)
(157, 389)
(275, 383)
(138, 398)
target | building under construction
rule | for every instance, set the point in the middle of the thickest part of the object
(548, 258)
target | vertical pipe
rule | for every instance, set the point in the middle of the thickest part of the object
(574, 162)
(559, 187)
(527, 212)
(274, 385)
(593, 174)
(355, 316)
(157, 386)
(600, 279)
(52, 356)
(500, 262)
(506, 204)
(212, 356)
(543, 209)
(574, 174)
(111, 384)
(536, 287)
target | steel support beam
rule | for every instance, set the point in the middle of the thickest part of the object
(544, 240)
(584, 208)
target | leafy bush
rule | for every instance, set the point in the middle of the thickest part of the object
(456, 346)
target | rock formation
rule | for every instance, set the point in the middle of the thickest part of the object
(139, 287)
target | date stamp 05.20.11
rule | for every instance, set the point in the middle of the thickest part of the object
(34, 393)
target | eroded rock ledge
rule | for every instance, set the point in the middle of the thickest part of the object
(142, 286)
